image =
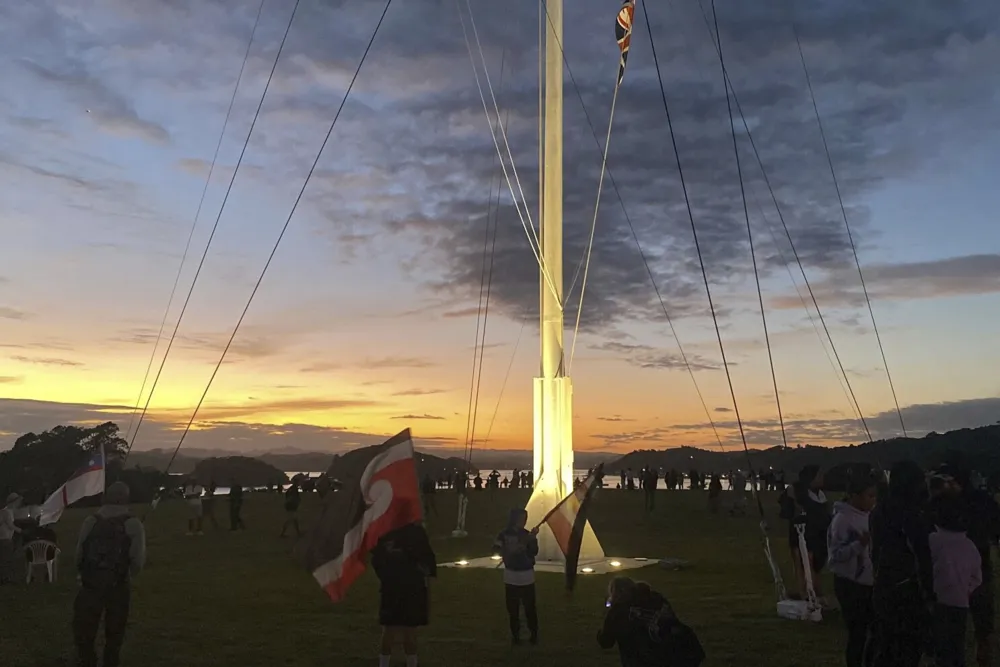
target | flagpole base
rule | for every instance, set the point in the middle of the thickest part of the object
(459, 533)
(586, 566)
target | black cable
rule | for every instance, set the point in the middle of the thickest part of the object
(697, 245)
(788, 235)
(635, 237)
(847, 225)
(746, 215)
(477, 356)
(284, 228)
(486, 308)
(215, 225)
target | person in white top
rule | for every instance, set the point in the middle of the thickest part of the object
(192, 495)
(7, 531)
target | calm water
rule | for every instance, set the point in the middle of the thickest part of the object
(610, 480)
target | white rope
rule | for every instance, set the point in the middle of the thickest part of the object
(806, 567)
(593, 228)
(503, 131)
(779, 584)
(528, 225)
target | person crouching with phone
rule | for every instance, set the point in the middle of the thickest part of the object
(647, 631)
(518, 548)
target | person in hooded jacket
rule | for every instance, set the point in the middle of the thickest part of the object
(518, 548)
(849, 547)
(647, 631)
(903, 591)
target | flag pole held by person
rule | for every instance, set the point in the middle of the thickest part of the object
(568, 519)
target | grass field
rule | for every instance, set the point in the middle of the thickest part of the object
(240, 599)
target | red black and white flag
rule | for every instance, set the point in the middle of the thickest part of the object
(568, 519)
(379, 493)
(623, 33)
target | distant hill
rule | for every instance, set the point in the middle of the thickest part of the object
(188, 462)
(427, 464)
(980, 446)
(245, 470)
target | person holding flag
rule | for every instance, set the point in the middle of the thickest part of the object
(518, 548)
(377, 512)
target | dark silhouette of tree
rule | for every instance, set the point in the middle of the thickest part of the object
(39, 463)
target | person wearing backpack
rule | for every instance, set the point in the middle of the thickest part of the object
(647, 631)
(111, 550)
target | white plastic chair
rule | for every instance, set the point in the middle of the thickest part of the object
(39, 552)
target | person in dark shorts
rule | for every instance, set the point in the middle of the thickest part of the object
(403, 561)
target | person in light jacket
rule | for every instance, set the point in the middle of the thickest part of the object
(958, 572)
(850, 561)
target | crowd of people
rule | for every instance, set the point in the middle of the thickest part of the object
(911, 561)
(909, 553)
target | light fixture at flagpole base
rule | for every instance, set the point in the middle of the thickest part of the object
(596, 566)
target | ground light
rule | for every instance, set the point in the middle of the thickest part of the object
(585, 566)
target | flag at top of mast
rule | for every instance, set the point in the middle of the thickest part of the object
(623, 33)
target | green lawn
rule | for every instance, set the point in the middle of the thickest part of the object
(241, 600)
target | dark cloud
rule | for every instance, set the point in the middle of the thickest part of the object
(45, 361)
(423, 416)
(952, 276)
(419, 392)
(615, 418)
(108, 109)
(876, 87)
(21, 416)
(920, 419)
(645, 356)
(376, 363)
(7, 313)
(246, 345)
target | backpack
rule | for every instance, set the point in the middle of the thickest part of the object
(105, 560)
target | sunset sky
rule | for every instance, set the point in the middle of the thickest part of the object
(366, 320)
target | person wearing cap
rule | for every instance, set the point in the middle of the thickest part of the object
(7, 531)
(111, 550)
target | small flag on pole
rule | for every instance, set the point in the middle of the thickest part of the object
(568, 519)
(85, 482)
(623, 33)
(379, 494)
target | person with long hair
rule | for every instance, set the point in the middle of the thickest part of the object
(850, 561)
(903, 590)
